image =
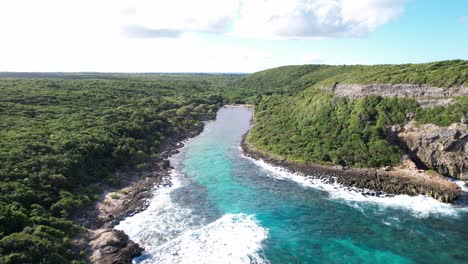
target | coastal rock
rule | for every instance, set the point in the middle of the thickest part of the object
(101, 243)
(113, 246)
(393, 182)
(443, 149)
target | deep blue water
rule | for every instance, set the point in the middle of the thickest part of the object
(226, 208)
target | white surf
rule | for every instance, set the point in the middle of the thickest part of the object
(420, 206)
(170, 233)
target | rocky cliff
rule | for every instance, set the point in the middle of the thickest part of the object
(426, 95)
(400, 90)
(443, 149)
(113, 246)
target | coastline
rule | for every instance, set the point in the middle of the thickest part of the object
(101, 243)
(393, 182)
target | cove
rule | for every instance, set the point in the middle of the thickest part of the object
(225, 208)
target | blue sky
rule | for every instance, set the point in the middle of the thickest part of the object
(226, 35)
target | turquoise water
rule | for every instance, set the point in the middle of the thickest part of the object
(226, 208)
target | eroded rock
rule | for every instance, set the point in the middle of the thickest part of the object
(399, 90)
(113, 246)
(443, 149)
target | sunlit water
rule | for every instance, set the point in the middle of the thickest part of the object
(226, 208)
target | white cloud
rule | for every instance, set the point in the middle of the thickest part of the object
(152, 18)
(315, 18)
(135, 31)
(261, 18)
(212, 16)
(145, 35)
(464, 19)
(313, 58)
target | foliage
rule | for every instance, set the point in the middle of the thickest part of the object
(444, 116)
(326, 129)
(58, 136)
(436, 74)
(290, 80)
(299, 120)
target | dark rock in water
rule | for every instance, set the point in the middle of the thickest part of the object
(165, 164)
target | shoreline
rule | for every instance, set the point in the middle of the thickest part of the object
(103, 244)
(394, 182)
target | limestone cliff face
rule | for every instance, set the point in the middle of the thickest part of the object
(426, 95)
(443, 149)
(400, 90)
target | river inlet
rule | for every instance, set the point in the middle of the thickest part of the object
(223, 207)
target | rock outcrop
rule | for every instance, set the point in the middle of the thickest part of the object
(102, 244)
(426, 95)
(113, 246)
(400, 90)
(443, 149)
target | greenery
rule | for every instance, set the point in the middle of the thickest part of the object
(290, 80)
(328, 129)
(444, 116)
(303, 122)
(59, 136)
(61, 133)
(115, 196)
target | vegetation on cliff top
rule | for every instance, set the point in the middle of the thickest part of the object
(290, 80)
(303, 122)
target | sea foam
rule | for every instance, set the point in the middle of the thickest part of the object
(161, 221)
(234, 238)
(419, 206)
(170, 233)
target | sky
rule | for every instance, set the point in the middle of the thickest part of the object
(226, 35)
